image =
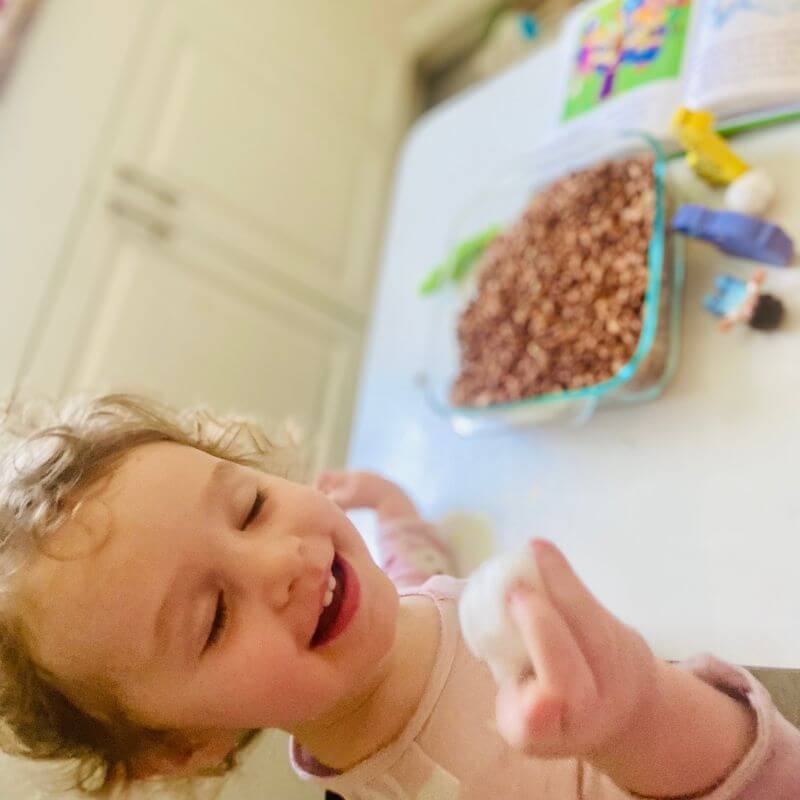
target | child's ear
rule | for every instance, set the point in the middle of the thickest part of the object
(195, 754)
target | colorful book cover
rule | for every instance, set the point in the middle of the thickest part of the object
(623, 44)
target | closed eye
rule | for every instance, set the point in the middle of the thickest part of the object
(218, 623)
(258, 502)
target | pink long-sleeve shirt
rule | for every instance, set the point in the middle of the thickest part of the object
(450, 750)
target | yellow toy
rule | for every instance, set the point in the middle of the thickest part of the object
(707, 152)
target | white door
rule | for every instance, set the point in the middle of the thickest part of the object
(263, 126)
(175, 322)
(226, 255)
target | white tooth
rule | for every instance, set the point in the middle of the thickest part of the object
(331, 582)
(326, 601)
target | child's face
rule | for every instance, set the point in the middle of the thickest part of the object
(186, 538)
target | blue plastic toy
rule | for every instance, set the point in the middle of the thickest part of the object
(734, 300)
(738, 234)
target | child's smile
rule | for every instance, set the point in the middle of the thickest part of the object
(222, 598)
(342, 594)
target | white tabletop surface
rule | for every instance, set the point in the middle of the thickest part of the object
(683, 515)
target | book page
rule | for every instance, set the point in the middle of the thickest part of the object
(623, 61)
(746, 57)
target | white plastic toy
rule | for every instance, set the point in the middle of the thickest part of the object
(488, 630)
(751, 193)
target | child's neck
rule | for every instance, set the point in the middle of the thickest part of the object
(374, 719)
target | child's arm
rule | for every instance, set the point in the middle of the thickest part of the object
(684, 741)
(351, 489)
(598, 693)
(408, 549)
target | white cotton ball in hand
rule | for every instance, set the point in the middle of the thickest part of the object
(487, 627)
(751, 193)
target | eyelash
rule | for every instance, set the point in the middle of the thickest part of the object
(255, 508)
(219, 622)
(221, 612)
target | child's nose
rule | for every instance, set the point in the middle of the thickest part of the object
(280, 569)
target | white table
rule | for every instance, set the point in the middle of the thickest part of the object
(683, 515)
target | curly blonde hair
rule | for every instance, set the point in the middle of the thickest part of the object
(51, 454)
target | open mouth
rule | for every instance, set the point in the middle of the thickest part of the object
(336, 616)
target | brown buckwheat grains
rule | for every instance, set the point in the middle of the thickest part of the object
(560, 293)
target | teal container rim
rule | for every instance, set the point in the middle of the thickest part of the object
(655, 258)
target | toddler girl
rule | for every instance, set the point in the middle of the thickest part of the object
(168, 592)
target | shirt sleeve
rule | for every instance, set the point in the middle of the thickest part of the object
(770, 770)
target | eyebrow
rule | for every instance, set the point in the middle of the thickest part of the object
(224, 472)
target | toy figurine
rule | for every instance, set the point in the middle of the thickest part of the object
(735, 300)
(738, 234)
(707, 152)
(752, 193)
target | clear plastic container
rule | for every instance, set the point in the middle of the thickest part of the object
(655, 358)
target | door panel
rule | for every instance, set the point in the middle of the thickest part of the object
(246, 170)
(176, 326)
(267, 158)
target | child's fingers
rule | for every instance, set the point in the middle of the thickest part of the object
(588, 621)
(564, 587)
(557, 659)
(331, 480)
(531, 718)
(337, 487)
(537, 713)
(325, 480)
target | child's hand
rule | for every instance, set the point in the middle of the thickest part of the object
(351, 489)
(347, 489)
(591, 671)
(599, 693)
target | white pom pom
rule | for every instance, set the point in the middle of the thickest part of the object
(751, 193)
(488, 630)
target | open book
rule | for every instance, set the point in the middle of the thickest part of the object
(631, 63)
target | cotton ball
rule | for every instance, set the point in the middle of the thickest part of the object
(488, 630)
(751, 193)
